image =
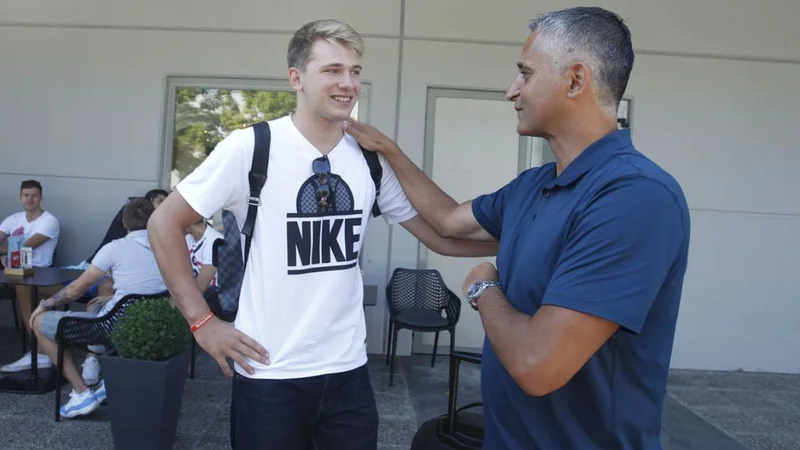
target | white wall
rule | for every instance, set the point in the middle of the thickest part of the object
(715, 101)
(85, 104)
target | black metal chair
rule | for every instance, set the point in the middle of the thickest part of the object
(85, 331)
(416, 299)
(461, 427)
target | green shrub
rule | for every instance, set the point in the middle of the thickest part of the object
(152, 330)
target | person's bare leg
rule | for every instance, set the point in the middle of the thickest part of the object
(24, 300)
(49, 347)
(24, 304)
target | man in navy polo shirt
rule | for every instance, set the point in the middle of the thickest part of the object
(580, 313)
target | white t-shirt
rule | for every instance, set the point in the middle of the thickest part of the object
(132, 266)
(46, 225)
(302, 293)
(201, 251)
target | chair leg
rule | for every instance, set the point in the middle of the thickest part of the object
(194, 356)
(435, 347)
(59, 365)
(395, 330)
(452, 340)
(389, 341)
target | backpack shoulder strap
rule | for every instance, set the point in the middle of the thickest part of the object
(376, 172)
(257, 177)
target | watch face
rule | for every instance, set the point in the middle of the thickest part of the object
(473, 290)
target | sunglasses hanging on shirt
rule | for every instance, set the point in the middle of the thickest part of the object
(324, 192)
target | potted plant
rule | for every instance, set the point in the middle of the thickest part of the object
(146, 373)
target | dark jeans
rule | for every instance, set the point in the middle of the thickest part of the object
(335, 411)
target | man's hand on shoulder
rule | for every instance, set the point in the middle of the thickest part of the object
(369, 137)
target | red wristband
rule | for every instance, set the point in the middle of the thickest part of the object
(202, 322)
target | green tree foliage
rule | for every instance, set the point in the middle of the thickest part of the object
(204, 117)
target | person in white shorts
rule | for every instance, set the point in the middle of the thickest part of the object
(298, 341)
(133, 268)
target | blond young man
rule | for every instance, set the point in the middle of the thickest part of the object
(298, 341)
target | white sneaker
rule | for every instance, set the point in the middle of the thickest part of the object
(79, 404)
(91, 371)
(100, 392)
(24, 363)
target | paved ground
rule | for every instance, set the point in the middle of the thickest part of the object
(704, 410)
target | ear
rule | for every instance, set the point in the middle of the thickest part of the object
(578, 76)
(296, 79)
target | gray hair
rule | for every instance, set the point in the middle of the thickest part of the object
(595, 37)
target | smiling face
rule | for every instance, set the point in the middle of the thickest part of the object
(331, 82)
(539, 91)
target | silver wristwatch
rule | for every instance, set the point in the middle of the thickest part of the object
(477, 289)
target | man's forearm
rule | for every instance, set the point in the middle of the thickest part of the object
(507, 330)
(432, 203)
(169, 247)
(65, 296)
(464, 248)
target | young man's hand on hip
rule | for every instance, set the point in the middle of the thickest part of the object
(221, 340)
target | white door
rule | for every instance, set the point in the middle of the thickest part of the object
(471, 148)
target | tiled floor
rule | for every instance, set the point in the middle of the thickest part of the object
(682, 429)
(760, 410)
(704, 410)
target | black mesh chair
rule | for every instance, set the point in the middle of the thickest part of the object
(416, 299)
(86, 331)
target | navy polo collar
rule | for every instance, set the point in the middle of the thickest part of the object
(589, 158)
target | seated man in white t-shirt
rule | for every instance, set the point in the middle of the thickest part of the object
(299, 338)
(134, 270)
(40, 230)
(200, 238)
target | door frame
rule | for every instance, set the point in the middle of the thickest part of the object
(527, 149)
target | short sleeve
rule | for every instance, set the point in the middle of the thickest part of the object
(49, 227)
(6, 225)
(489, 209)
(105, 259)
(219, 181)
(392, 201)
(619, 252)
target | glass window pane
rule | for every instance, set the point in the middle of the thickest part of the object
(204, 116)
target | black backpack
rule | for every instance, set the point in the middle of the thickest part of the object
(227, 254)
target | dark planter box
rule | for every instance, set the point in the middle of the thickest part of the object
(144, 399)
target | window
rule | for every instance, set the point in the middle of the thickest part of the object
(203, 111)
